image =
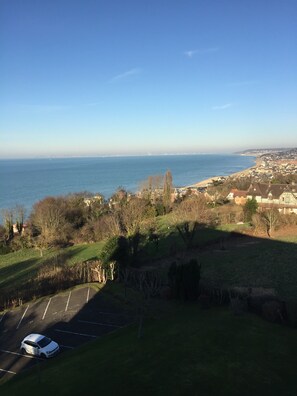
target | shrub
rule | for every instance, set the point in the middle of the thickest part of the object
(184, 280)
(291, 310)
(272, 311)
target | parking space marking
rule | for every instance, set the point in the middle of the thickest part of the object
(3, 316)
(99, 324)
(49, 301)
(20, 354)
(66, 346)
(88, 295)
(22, 317)
(7, 371)
(67, 302)
(113, 313)
(72, 332)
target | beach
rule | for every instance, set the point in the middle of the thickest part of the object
(207, 182)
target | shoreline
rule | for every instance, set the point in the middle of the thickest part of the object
(208, 182)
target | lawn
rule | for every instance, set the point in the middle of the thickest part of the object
(255, 263)
(16, 268)
(184, 351)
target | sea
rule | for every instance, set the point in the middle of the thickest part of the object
(26, 181)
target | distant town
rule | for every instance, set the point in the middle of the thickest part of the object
(270, 163)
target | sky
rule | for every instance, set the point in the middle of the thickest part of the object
(138, 77)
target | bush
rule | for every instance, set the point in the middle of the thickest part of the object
(272, 311)
(291, 310)
(238, 305)
(184, 280)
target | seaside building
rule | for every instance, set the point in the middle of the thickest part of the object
(280, 196)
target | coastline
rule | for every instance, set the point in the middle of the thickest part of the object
(208, 182)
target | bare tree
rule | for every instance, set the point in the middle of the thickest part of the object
(150, 186)
(107, 226)
(48, 217)
(7, 215)
(270, 218)
(133, 214)
(20, 212)
(190, 215)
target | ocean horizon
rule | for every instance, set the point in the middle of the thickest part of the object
(26, 181)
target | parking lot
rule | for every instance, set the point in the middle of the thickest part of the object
(70, 318)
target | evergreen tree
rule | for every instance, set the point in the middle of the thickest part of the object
(167, 191)
(249, 209)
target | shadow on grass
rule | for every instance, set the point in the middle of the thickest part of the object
(229, 260)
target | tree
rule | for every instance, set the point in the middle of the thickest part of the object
(7, 215)
(150, 186)
(167, 191)
(133, 214)
(115, 253)
(184, 280)
(189, 216)
(119, 198)
(249, 209)
(49, 219)
(270, 218)
(19, 217)
(107, 226)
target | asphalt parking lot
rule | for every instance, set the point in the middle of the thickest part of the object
(70, 318)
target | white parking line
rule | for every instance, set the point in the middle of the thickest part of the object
(7, 371)
(49, 301)
(113, 313)
(88, 295)
(22, 317)
(67, 302)
(2, 316)
(20, 354)
(99, 324)
(72, 332)
(66, 346)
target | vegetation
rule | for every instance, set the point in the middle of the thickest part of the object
(249, 209)
(186, 351)
(188, 249)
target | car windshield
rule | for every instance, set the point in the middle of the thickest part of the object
(44, 342)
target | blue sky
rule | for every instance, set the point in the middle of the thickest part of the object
(90, 77)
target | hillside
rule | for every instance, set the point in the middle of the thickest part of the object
(184, 351)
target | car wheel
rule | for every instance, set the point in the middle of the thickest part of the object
(23, 351)
(43, 356)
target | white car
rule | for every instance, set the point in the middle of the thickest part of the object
(39, 345)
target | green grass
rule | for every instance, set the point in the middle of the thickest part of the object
(187, 351)
(267, 263)
(16, 268)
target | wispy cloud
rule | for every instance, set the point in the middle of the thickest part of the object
(125, 75)
(191, 53)
(223, 107)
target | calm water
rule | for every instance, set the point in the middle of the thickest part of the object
(24, 182)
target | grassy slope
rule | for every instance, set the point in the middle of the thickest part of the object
(267, 263)
(188, 351)
(17, 267)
